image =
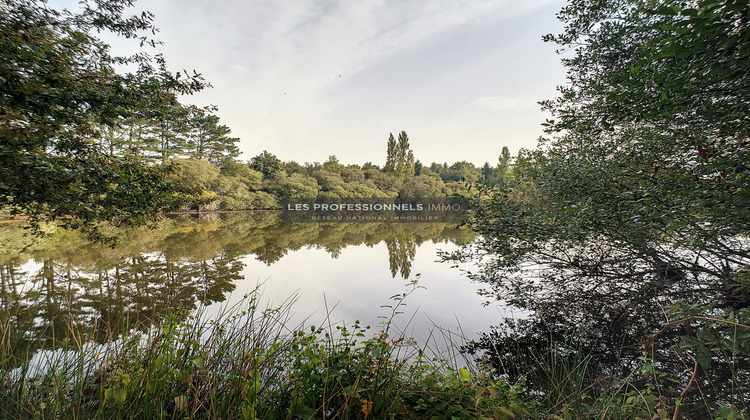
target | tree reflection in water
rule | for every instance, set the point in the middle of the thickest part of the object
(184, 262)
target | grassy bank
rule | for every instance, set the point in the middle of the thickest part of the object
(247, 363)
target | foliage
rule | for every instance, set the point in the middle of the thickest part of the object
(245, 186)
(196, 174)
(59, 92)
(631, 203)
(400, 158)
(502, 173)
(390, 157)
(422, 186)
(209, 140)
(680, 66)
(404, 157)
(462, 171)
(266, 163)
(635, 203)
(243, 173)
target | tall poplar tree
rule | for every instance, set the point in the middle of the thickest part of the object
(404, 157)
(390, 158)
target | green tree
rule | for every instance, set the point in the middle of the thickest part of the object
(266, 163)
(639, 197)
(200, 177)
(197, 175)
(418, 168)
(209, 140)
(461, 171)
(423, 186)
(505, 160)
(293, 167)
(487, 171)
(651, 148)
(382, 181)
(390, 157)
(58, 87)
(404, 158)
(251, 178)
(665, 109)
(327, 180)
(293, 186)
(332, 164)
(437, 167)
(128, 139)
(501, 174)
(399, 157)
(353, 175)
(168, 132)
(647, 177)
(678, 66)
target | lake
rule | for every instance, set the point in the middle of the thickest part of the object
(334, 272)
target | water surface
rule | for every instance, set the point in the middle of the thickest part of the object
(337, 272)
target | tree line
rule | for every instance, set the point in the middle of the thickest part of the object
(83, 142)
(264, 181)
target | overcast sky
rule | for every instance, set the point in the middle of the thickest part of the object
(309, 79)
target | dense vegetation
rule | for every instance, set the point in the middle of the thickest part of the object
(67, 115)
(626, 232)
(265, 181)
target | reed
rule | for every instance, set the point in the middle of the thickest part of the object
(248, 362)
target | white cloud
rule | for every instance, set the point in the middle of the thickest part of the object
(340, 74)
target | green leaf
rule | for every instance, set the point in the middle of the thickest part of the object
(666, 10)
(689, 12)
(120, 395)
(198, 361)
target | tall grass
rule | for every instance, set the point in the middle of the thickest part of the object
(248, 363)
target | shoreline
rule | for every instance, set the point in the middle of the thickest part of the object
(177, 212)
